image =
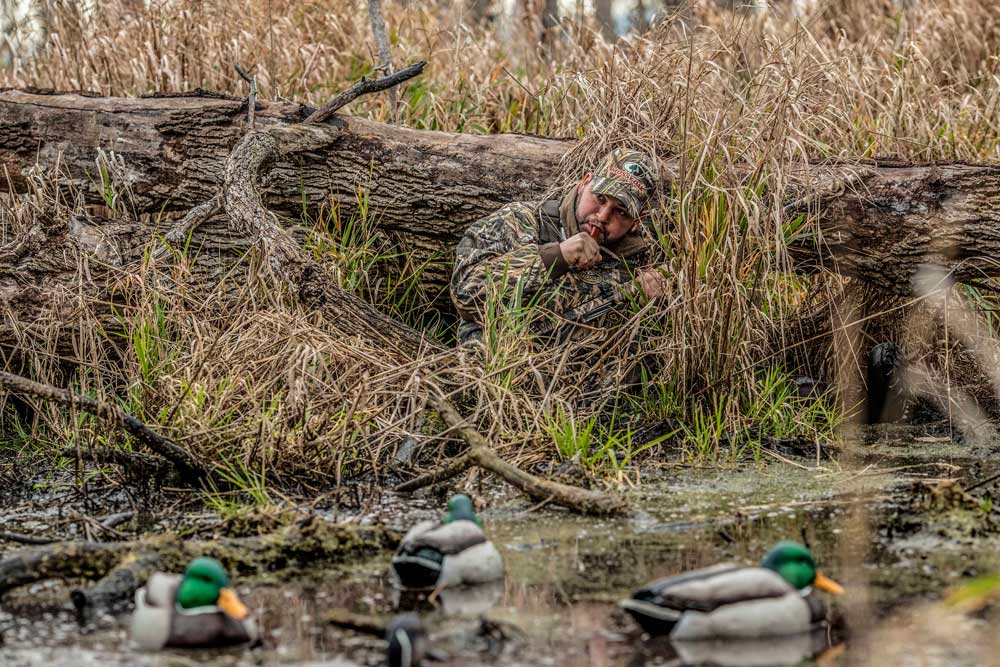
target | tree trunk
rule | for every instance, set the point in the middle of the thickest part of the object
(550, 23)
(602, 9)
(479, 11)
(889, 219)
(640, 23)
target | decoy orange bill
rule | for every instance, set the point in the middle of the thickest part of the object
(824, 583)
(230, 603)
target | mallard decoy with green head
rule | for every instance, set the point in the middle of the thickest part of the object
(449, 553)
(196, 610)
(731, 601)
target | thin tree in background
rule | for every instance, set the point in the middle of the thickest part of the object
(479, 11)
(640, 24)
(23, 29)
(602, 8)
(384, 52)
(550, 23)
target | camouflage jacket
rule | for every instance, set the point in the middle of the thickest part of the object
(514, 254)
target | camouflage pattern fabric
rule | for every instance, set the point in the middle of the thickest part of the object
(627, 176)
(500, 255)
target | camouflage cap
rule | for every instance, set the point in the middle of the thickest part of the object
(627, 176)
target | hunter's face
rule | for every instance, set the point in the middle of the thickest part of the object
(607, 214)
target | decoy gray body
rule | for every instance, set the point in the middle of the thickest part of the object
(731, 601)
(449, 553)
(758, 652)
(196, 610)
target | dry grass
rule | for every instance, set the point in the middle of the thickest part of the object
(259, 385)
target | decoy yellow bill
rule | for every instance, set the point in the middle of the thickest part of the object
(230, 603)
(824, 583)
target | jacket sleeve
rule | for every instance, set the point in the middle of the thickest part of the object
(498, 254)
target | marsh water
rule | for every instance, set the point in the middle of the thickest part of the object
(875, 517)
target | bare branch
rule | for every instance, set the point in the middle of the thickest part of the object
(364, 87)
(252, 97)
(452, 469)
(483, 455)
(187, 465)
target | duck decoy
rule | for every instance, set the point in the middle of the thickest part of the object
(732, 601)
(407, 641)
(449, 553)
(196, 610)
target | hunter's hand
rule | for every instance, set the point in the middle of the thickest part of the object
(580, 251)
(653, 282)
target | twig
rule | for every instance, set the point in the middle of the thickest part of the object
(384, 52)
(252, 97)
(178, 234)
(132, 460)
(349, 620)
(90, 522)
(364, 87)
(112, 520)
(452, 469)
(984, 482)
(187, 465)
(21, 538)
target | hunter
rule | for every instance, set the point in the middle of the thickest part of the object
(578, 258)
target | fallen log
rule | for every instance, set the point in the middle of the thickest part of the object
(119, 568)
(883, 221)
(425, 187)
(878, 219)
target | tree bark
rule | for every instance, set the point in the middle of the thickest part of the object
(423, 187)
(888, 219)
(550, 22)
(478, 11)
(879, 221)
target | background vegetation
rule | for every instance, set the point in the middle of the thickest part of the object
(745, 97)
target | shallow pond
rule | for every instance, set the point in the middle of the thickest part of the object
(863, 515)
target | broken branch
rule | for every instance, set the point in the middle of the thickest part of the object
(190, 469)
(483, 455)
(364, 87)
(252, 96)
